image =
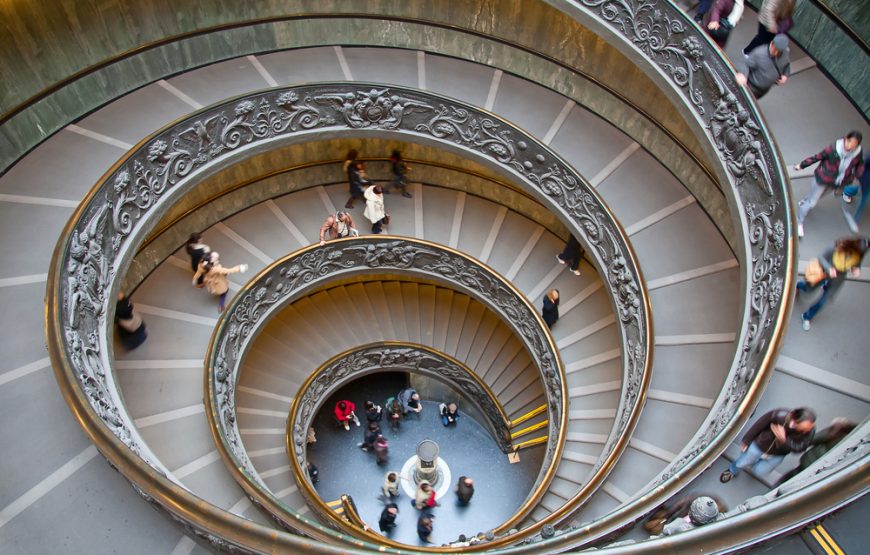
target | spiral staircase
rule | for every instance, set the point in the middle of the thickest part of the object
(58, 494)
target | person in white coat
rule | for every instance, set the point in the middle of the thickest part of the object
(375, 211)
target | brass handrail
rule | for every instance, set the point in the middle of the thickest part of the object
(530, 443)
(529, 415)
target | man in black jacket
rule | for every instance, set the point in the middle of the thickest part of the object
(772, 437)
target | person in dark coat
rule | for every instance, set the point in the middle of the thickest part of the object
(572, 255)
(400, 174)
(131, 328)
(197, 250)
(550, 313)
(388, 518)
(372, 434)
(823, 442)
(773, 436)
(374, 413)
(464, 490)
(424, 528)
(313, 473)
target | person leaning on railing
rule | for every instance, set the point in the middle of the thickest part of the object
(336, 226)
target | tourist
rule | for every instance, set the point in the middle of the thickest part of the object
(215, 280)
(355, 177)
(773, 436)
(374, 413)
(464, 490)
(572, 255)
(550, 312)
(851, 191)
(391, 484)
(829, 271)
(336, 226)
(424, 528)
(388, 518)
(410, 400)
(197, 250)
(313, 473)
(703, 510)
(375, 211)
(840, 164)
(823, 442)
(382, 449)
(425, 496)
(449, 413)
(131, 327)
(394, 412)
(400, 174)
(370, 436)
(774, 18)
(764, 67)
(721, 18)
(344, 413)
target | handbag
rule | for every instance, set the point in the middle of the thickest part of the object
(814, 272)
(386, 219)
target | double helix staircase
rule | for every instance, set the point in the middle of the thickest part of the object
(692, 275)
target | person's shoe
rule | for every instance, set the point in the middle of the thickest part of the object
(346, 427)
(726, 476)
(576, 272)
(805, 324)
(348, 204)
(406, 194)
(800, 231)
(847, 199)
(559, 259)
(699, 17)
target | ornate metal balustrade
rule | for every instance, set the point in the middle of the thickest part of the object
(842, 472)
(389, 356)
(311, 268)
(105, 231)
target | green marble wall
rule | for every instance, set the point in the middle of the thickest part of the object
(843, 59)
(46, 44)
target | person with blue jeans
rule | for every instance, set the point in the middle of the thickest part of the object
(772, 437)
(851, 191)
(839, 262)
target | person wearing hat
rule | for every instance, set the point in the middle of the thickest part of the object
(767, 65)
(703, 510)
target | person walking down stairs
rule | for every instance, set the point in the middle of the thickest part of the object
(215, 280)
(773, 436)
(829, 271)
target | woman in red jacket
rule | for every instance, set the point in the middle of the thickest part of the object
(344, 414)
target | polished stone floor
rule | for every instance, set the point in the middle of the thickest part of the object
(467, 448)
